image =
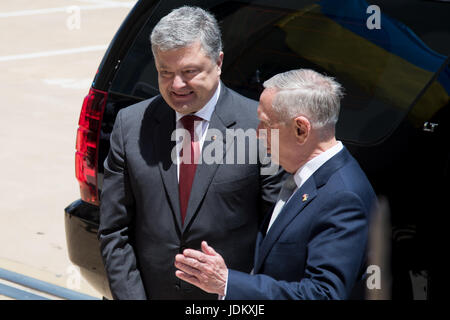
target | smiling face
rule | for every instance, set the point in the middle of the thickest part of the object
(187, 77)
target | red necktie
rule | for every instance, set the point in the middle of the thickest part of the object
(188, 163)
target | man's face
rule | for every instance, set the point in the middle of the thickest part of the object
(187, 77)
(281, 152)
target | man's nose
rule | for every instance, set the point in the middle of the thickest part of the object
(178, 82)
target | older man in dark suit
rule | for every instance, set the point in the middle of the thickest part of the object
(160, 197)
(313, 245)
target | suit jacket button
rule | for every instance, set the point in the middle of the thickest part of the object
(177, 287)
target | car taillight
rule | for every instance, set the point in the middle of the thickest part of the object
(88, 135)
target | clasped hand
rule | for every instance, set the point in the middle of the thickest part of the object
(204, 269)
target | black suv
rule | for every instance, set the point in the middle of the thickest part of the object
(392, 57)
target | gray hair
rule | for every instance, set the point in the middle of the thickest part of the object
(184, 26)
(306, 92)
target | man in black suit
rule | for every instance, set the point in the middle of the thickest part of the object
(158, 198)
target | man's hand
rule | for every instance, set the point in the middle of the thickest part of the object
(206, 270)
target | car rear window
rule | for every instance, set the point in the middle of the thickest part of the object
(388, 60)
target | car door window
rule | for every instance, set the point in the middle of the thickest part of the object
(385, 71)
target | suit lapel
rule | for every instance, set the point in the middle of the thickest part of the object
(292, 208)
(297, 203)
(163, 146)
(262, 233)
(221, 119)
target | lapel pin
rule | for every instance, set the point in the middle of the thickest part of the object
(214, 137)
(305, 197)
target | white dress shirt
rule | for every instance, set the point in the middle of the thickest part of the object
(200, 127)
(303, 173)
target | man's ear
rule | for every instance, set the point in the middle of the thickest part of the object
(302, 129)
(219, 62)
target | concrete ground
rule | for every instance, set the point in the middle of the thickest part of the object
(49, 53)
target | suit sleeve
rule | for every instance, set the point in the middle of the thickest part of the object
(336, 255)
(117, 211)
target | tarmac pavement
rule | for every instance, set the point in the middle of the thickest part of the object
(50, 51)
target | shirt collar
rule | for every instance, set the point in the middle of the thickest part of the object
(307, 170)
(206, 112)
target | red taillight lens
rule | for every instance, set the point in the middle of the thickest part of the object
(88, 134)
